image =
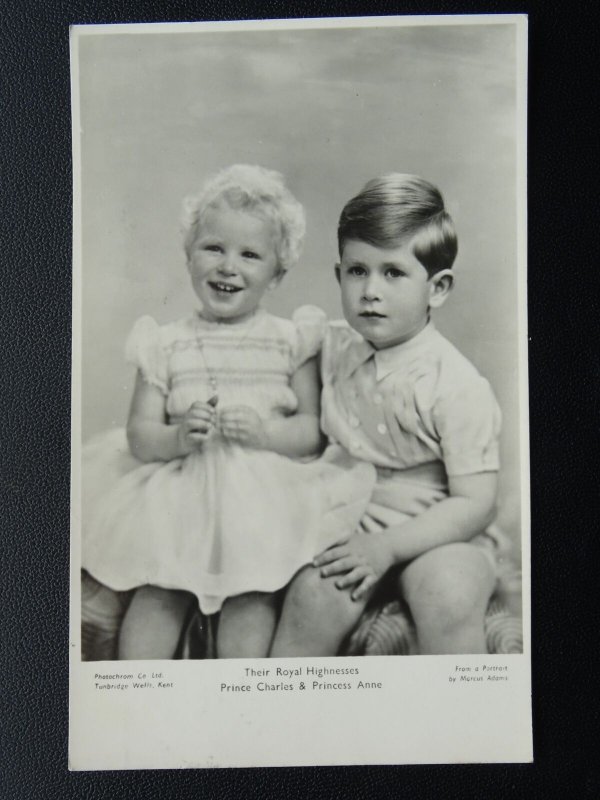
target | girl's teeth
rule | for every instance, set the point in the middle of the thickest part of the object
(223, 287)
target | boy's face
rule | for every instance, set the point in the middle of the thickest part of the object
(386, 293)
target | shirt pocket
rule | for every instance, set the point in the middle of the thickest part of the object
(406, 418)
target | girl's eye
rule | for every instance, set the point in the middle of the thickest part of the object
(250, 254)
(212, 248)
(392, 272)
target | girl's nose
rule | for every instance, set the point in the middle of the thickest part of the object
(227, 265)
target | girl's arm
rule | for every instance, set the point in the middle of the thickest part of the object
(364, 559)
(294, 436)
(300, 434)
(151, 438)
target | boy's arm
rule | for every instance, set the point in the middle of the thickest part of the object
(364, 559)
(469, 509)
(296, 435)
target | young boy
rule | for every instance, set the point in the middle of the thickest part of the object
(397, 394)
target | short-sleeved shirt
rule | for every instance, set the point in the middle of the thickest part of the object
(419, 406)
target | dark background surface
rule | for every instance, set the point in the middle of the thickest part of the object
(35, 262)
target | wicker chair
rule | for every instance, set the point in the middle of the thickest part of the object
(385, 629)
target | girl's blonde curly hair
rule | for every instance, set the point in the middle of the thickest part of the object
(257, 190)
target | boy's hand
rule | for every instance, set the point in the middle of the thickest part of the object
(361, 561)
(242, 424)
(197, 425)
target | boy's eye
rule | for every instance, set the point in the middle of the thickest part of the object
(355, 269)
(250, 254)
(212, 248)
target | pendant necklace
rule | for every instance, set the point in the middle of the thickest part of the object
(212, 378)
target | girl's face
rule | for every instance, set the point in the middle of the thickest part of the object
(232, 263)
(387, 293)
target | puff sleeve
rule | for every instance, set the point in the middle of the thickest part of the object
(310, 324)
(468, 422)
(144, 350)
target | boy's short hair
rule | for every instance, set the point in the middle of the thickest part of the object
(394, 208)
(256, 190)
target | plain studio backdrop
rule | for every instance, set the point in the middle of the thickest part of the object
(329, 108)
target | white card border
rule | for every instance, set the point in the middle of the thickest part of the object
(121, 730)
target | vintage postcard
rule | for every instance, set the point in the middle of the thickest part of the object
(300, 471)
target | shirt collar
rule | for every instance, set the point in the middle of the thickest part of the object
(358, 352)
(389, 359)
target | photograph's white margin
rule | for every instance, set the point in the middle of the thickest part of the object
(214, 747)
(300, 24)
(76, 405)
(522, 222)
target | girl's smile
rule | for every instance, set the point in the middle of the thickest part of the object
(221, 286)
(232, 263)
(387, 292)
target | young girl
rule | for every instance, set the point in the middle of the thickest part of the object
(207, 498)
(398, 395)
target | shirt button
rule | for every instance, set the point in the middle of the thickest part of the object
(354, 422)
(377, 399)
(382, 429)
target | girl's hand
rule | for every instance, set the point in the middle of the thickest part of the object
(196, 427)
(361, 561)
(242, 424)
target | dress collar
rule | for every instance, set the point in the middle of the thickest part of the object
(212, 325)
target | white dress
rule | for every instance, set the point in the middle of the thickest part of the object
(227, 519)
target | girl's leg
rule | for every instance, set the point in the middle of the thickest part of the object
(102, 611)
(448, 590)
(316, 617)
(246, 625)
(152, 624)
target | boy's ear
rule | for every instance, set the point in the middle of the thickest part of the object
(440, 286)
(337, 273)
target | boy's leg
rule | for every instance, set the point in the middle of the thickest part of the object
(448, 590)
(153, 622)
(246, 625)
(316, 617)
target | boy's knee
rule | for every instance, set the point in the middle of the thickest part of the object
(448, 604)
(448, 595)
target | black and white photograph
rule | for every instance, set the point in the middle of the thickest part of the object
(300, 476)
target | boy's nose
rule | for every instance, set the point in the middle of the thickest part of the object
(371, 290)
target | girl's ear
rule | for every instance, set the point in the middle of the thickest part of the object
(440, 286)
(188, 258)
(276, 279)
